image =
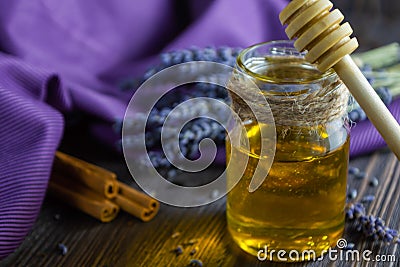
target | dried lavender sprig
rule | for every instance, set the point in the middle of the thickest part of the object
(357, 114)
(203, 128)
(354, 210)
(385, 95)
(225, 55)
(379, 57)
(385, 81)
(222, 54)
(197, 130)
(370, 225)
(211, 87)
(189, 137)
(158, 116)
(383, 78)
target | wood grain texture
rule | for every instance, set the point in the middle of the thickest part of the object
(129, 242)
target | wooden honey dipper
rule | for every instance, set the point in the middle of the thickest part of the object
(328, 44)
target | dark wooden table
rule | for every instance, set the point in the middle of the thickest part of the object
(127, 241)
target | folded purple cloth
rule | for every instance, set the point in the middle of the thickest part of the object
(30, 132)
(68, 56)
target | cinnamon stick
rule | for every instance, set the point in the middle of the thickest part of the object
(86, 186)
(82, 198)
(137, 196)
(98, 179)
(133, 208)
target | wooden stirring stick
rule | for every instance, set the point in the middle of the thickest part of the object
(328, 44)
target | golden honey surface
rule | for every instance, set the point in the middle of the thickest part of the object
(300, 205)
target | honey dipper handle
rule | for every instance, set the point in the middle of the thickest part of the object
(370, 102)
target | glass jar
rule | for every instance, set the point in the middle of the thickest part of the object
(299, 205)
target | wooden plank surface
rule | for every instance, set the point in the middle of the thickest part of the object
(127, 241)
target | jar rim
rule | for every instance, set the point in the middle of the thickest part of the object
(241, 63)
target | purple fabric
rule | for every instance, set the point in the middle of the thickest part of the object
(61, 56)
(30, 130)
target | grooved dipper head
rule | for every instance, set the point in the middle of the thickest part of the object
(318, 31)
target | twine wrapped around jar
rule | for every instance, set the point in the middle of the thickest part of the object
(326, 101)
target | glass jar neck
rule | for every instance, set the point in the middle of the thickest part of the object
(297, 93)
